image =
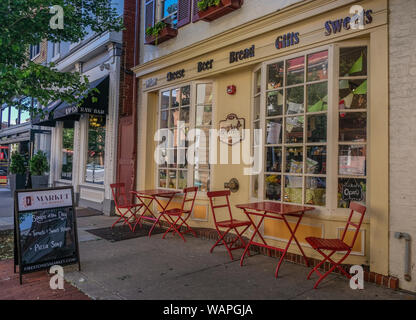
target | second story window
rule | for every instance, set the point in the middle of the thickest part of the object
(34, 51)
(56, 46)
(169, 12)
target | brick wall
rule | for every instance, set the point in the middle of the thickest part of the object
(127, 137)
(402, 46)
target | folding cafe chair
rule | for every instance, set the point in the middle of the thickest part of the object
(181, 214)
(229, 225)
(336, 245)
(122, 204)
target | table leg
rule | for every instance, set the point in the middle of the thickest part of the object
(256, 230)
(146, 207)
(289, 242)
(161, 213)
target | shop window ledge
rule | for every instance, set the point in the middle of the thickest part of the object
(225, 7)
(164, 35)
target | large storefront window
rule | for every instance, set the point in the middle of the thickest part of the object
(178, 112)
(295, 117)
(67, 153)
(94, 172)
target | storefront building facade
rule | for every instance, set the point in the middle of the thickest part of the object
(317, 87)
(84, 143)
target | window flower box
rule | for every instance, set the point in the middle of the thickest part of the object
(165, 34)
(225, 7)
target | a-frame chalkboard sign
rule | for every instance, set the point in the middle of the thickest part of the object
(45, 229)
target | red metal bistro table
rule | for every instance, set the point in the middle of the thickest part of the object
(278, 211)
(154, 195)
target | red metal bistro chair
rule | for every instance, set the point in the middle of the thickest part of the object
(120, 200)
(336, 245)
(182, 214)
(231, 224)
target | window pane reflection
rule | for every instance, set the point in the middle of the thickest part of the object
(275, 76)
(67, 153)
(293, 189)
(318, 66)
(294, 160)
(352, 126)
(295, 70)
(96, 146)
(353, 61)
(317, 125)
(353, 94)
(294, 129)
(274, 105)
(315, 191)
(273, 187)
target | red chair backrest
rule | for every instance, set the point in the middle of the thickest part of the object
(359, 209)
(218, 194)
(187, 191)
(119, 193)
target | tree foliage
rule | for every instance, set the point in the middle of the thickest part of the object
(27, 22)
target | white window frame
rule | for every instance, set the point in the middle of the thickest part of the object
(31, 51)
(56, 50)
(192, 113)
(160, 11)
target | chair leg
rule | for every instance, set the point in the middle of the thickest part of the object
(243, 243)
(122, 216)
(173, 227)
(334, 266)
(188, 228)
(224, 242)
(315, 269)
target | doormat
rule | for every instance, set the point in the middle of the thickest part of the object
(87, 212)
(120, 233)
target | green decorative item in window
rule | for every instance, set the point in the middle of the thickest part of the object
(39, 164)
(17, 164)
(205, 4)
(155, 30)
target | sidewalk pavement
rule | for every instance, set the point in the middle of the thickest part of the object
(35, 286)
(155, 268)
(6, 209)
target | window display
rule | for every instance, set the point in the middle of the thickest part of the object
(176, 105)
(295, 158)
(67, 153)
(94, 172)
(352, 125)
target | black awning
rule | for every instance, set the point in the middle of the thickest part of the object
(46, 118)
(66, 112)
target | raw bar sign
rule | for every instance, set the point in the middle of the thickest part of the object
(45, 229)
